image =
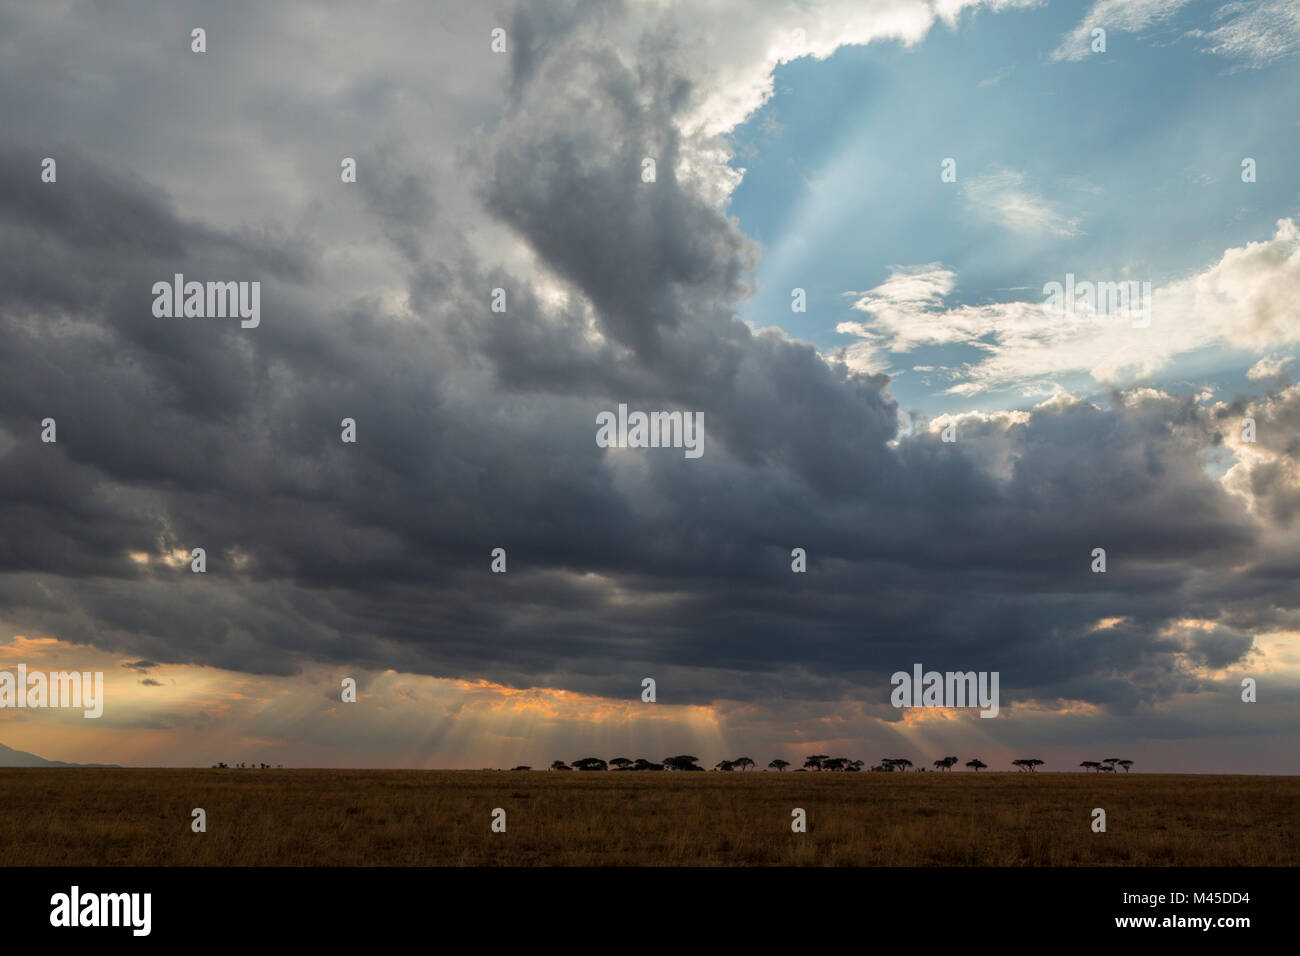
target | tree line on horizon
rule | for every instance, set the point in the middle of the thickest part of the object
(815, 763)
(1106, 766)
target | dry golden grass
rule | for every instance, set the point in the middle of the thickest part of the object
(79, 817)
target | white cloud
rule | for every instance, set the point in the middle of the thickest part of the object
(1265, 472)
(1117, 16)
(998, 77)
(1253, 32)
(733, 78)
(1249, 299)
(1001, 197)
(1267, 368)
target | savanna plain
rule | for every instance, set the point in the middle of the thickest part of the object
(143, 817)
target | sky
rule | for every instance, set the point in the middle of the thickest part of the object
(842, 258)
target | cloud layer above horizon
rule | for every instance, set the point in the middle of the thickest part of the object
(475, 428)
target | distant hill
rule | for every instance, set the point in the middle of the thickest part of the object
(21, 758)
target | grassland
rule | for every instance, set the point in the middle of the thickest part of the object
(87, 817)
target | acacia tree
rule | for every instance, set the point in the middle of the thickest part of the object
(620, 763)
(682, 762)
(744, 763)
(779, 764)
(1089, 765)
(977, 765)
(1125, 764)
(560, 765)
(726, 765)
(590, 763)
(814, 762)
(902, 763)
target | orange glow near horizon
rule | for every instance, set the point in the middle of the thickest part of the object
(197, 715)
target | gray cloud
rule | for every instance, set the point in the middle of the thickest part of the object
(476, 429)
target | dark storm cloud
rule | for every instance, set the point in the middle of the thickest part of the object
(476, 430)
(660, 265)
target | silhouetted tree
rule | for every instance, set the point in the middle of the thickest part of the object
(1106, 769)
(977, 765)
(1089, 765)
(620, 763)
(744, 763)
(643, 764)
(1112, 761)
(814, 761)
(901, 763)
(560, 765)
(682, 762)
(522, 768)
(725, 765)
(590, 763)
(1125, 764)
(779, 764)
(834, 763)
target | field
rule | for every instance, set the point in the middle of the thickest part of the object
(81, 817)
